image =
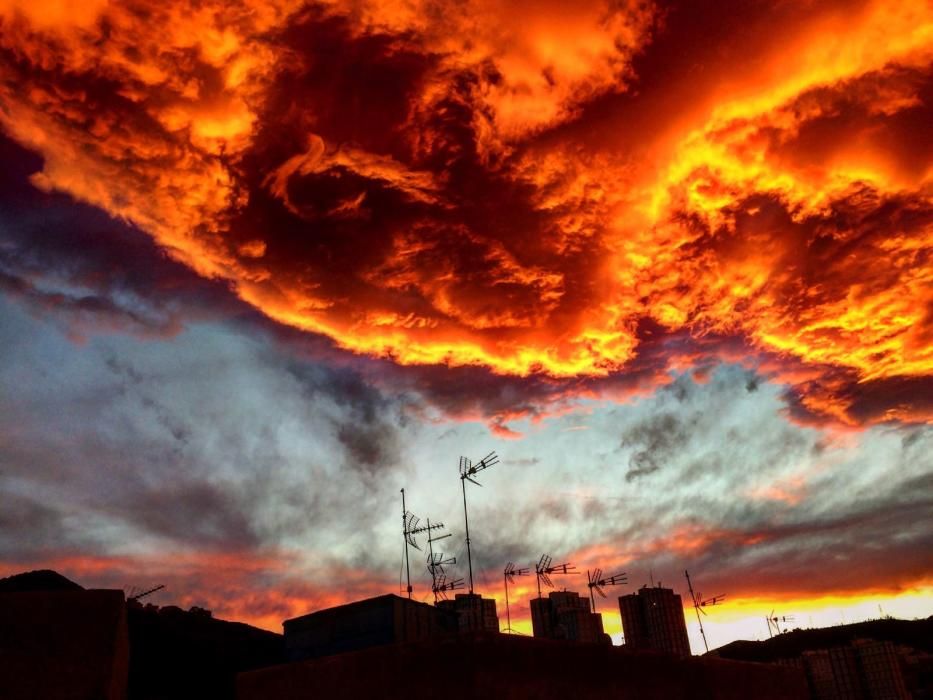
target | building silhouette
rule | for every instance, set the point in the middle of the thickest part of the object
(475, 613)
(386, 619)
(653, 618)
(864, 670)
(565, 615)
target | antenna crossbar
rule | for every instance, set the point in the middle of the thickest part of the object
(544, 570)
(145, 593)
(596, 582)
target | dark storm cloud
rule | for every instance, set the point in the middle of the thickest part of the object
(875, 543)
(72, 262)
(653, 442)
(29, 528)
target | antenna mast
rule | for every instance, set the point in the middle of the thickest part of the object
(597, 582)
(774, 621)
(467, 471)
(436, 562)
(145, 593)
(544, 570)
(410, 528)
(407, 537)
(442, 585)
(509, 577)
(699, 603)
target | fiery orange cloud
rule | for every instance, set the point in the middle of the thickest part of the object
(485, 185)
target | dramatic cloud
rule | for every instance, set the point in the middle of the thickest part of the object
(474, 185)
(264, 263)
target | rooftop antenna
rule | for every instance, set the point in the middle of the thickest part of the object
(544, 569)
(467, 471)
(699, 603)
(442, 585)
(436, 561)
(597, 582)
(145, 593)
(410, 528)
(776, 620)
(509, 577)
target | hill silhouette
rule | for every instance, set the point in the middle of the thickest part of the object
(39, 580)
(917, 634)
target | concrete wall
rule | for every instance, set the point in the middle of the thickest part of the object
(505, 666)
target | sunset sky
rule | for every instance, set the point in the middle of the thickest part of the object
(263, 264)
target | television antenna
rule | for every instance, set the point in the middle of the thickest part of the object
(544, 569)
(509, 577)
(442, 585)
(410, 528)
(467, 471)
(595, 581)
(774, 622)
(699, 603)
(145, 593)
(436, 560)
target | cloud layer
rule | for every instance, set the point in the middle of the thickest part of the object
(263, 263)
(415, 183)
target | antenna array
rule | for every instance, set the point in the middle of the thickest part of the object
(508, 576)
(410, 528)
(774, 622)
(597, 582)
(699, 603)
(436, 560)
(467, 471)
(544, 570)
(442, 585)
(145, 593)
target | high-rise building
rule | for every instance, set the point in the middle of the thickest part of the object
(653, 618)
(881, 670)
(864, 670)
(475, 613)
(847, 683)
(565, 615)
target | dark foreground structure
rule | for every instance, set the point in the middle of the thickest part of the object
(386, 619)
(884, 659)
(59, 641)
(565, 615)
(504, 666)
(653, 618)
(63, 644)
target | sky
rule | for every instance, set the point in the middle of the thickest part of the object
(264, 264)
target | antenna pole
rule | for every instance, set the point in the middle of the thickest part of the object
(508, 616)
(405, 537)
(696, 609)
(431, 560)
(467, 471)
(466, 523)
(139, 596)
